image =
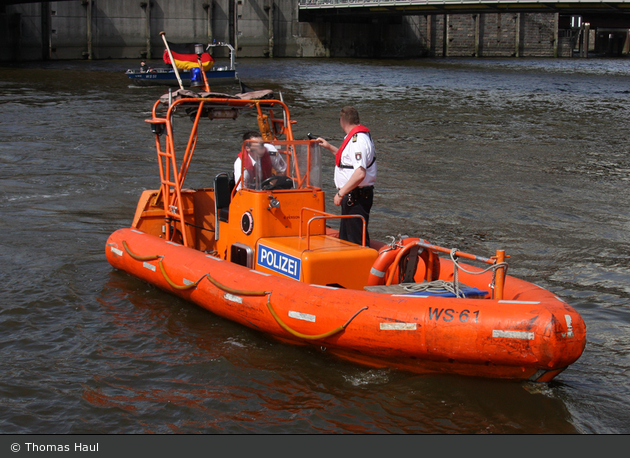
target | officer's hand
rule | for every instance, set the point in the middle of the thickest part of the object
(323, 143)
(337, 200)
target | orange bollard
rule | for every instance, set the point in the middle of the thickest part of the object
(500, 276)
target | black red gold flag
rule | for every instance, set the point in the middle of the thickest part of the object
(185, 57)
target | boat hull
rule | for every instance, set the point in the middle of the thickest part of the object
(169, 78)
(532, 335)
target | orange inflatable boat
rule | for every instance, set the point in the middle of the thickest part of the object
(263, 255)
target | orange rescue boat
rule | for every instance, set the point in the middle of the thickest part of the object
(264, 257)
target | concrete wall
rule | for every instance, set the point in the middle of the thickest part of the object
(10, 36)
(538, 34)
(498, 34)
(25, 36)
(502, 35)
(103, 29)
(115, 28)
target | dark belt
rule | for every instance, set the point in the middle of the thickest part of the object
(364, 192)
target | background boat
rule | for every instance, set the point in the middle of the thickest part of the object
(165, 76)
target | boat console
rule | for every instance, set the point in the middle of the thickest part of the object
(277, 226)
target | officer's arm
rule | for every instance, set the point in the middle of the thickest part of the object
(324, 144)
(355, 179)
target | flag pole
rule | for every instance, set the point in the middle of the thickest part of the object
(199, 52)
(179, 80)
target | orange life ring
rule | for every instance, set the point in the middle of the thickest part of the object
(386, 265)
(386, 256)
(428, 271)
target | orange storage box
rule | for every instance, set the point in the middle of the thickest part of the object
(316, 260)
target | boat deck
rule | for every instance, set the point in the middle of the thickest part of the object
(424, 289)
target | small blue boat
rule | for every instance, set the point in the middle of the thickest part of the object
(165, 76)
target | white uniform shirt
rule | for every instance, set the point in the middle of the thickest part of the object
(358, 152)
(277, 163)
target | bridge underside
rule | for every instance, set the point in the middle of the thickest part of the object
(378, 12)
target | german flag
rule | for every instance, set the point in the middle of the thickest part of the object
(185, 57)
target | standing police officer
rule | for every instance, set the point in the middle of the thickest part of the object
(355, 175)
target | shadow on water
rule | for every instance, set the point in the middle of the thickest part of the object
(162, 357)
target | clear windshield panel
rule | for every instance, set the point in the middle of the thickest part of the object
(259, 162)
(311, 157)
(304, 161)
(299, 160)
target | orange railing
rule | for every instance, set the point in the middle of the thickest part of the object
(172, 177)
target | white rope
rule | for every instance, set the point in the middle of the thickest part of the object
(438, 286)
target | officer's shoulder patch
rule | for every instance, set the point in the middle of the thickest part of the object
(357, 156)
(354, 138)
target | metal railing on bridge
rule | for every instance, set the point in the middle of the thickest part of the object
(397, 7)
(402, 3)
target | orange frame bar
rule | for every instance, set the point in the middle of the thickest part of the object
(173, 179)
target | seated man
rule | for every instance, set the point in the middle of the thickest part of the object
(259, 162)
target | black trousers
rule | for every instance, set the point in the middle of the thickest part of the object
(358, 202)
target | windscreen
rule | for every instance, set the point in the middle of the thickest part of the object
(299, 161)
(308, 163)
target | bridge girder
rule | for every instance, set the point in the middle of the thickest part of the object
(388, 11)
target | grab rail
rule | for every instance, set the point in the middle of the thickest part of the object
(457, 253)
(325, 216)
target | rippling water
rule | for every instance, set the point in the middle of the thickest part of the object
(530, 156)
